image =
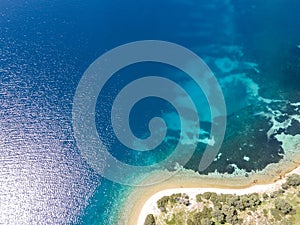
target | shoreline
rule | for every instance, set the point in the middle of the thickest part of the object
(238, 182)
(151, 208)
(140, 197)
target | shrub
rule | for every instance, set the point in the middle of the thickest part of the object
(199, 198)
(254, 200)
(229, 210)
(162, 203)
(283, 206)
(285, 186)
(293, 180)
(219, 216)
(266, 213)
(206, 221)
(206, 212)
(232, 200)
(190, 222)
(214, 198)
(197, 217)
(207, 195)
(150, 220)
(276, 214)
(232, 219)
(175, 198)
(246, 201)
(226, 208)
(223, 197)
(265, 196)
(230, 213)
(274, 194)
(185, 196)
(240, 205)
(218, 205)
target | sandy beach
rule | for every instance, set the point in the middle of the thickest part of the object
(150, 206)
(142, 200)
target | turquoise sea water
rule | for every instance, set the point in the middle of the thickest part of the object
(253, 48)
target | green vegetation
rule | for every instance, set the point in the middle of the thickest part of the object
(283, 206)
(279, 207)
(204, 214)
(150, 220)
(172, 200)
(207, 195)
(293, 180)
(175, 197)
(199, 198)
(162, 203)
(190, 222)
(265, 196)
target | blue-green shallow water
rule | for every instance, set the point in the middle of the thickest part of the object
(45, 47)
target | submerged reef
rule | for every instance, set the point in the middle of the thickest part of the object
(256, 136)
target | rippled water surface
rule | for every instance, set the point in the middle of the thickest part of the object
(253, 47)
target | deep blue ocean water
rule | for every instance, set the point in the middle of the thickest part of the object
(45, 47)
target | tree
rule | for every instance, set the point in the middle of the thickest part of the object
(232, 200)
(206, 212)
(231, 216)
(240, 205)
(214, 198)
(150, 220)
(175, 198)
(162, 203)
(254, 200)
(199, 198)
(283, 206)
(274, 194)
(190, 222)
(219, 216)
(229, 210)
(197, 217)
(217, 205)
(285, 186)
(265, 196)
(223, 197)
(266, 212)
(206, 221)
(207, 195)
(293, 180)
